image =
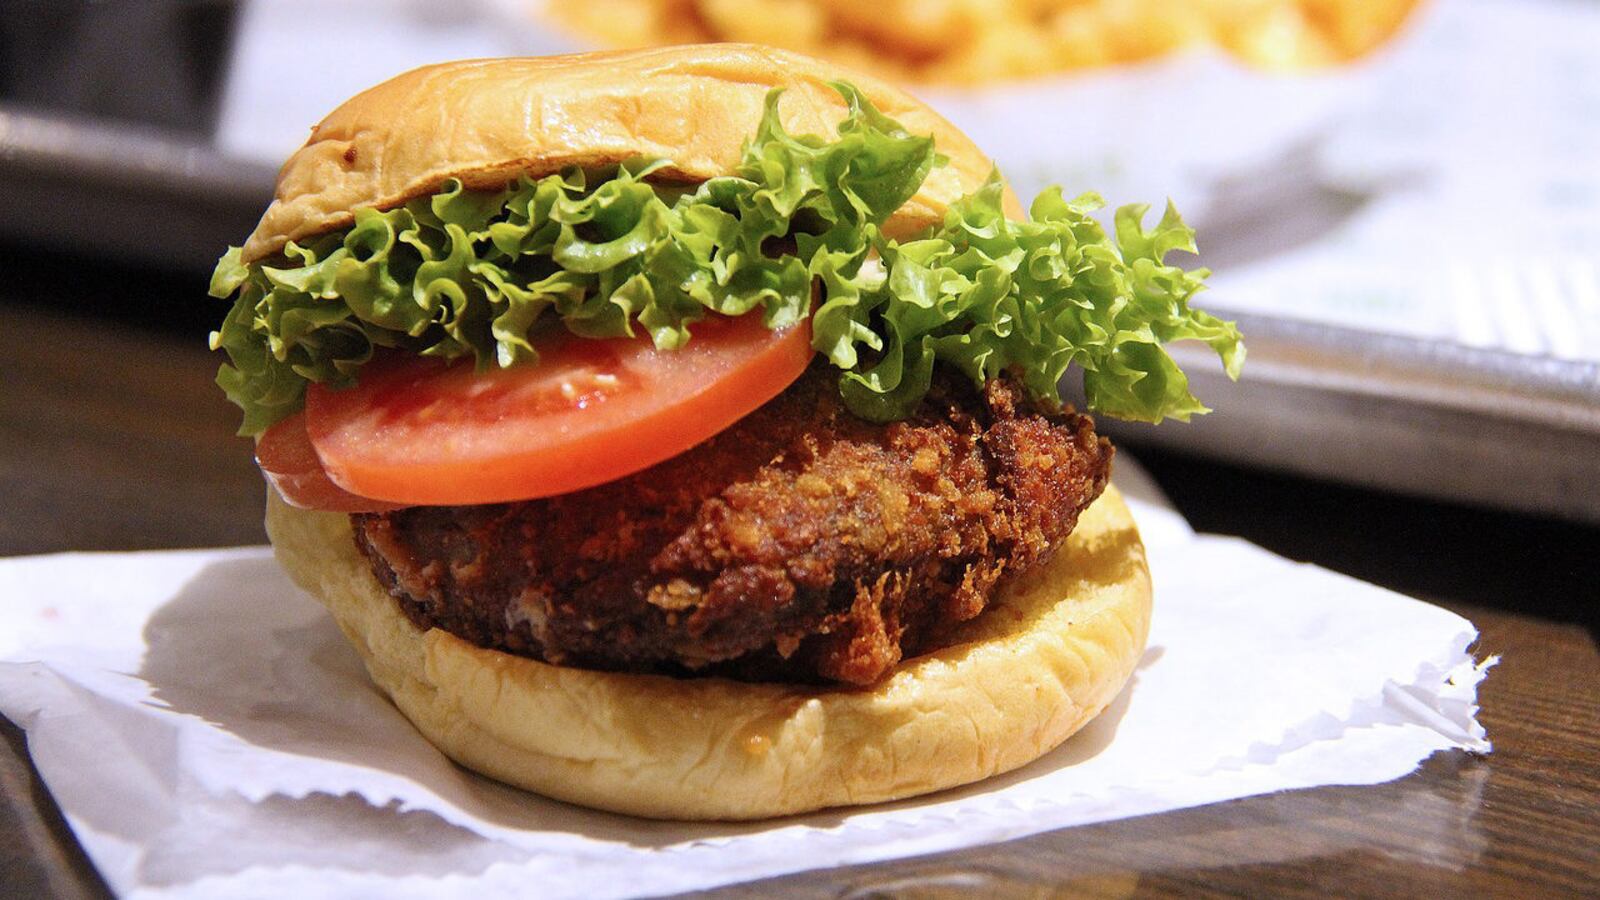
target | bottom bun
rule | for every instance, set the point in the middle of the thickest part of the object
(1051, 651)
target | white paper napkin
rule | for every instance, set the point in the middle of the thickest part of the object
(208, 733)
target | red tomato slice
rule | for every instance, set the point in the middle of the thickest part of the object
(286, 457)
(417, 431)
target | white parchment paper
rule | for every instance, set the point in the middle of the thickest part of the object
(208, 733)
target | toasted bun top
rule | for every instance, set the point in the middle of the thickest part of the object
(488, 121)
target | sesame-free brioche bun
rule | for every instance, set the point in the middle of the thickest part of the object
(488, 121)
(1048, 654)
(1053, 649)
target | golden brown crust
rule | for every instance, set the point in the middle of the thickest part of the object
(1052, 652)
(802, 544)
(487, 121)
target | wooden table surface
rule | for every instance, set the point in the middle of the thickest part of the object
(112, 437)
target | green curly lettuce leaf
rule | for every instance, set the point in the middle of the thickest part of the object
(607, 254)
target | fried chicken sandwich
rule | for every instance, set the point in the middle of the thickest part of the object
(677, 432)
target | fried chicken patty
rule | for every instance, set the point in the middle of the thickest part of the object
(801, 544)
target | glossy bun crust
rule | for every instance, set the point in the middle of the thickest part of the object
(1051, 652)
(488, 121)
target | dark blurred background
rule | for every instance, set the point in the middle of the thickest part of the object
(114, 204)
(107, 111)
(156, 64)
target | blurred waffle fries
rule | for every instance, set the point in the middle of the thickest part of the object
(972, 41)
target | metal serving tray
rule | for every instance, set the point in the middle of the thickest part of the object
(1423, 417)
(99, 188)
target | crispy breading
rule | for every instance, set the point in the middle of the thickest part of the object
(802, 544)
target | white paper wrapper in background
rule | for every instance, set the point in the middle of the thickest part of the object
(208, 733)
(1357, 196)
(269, 104)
